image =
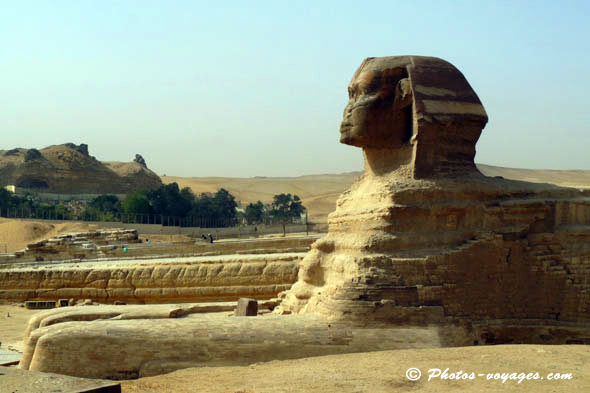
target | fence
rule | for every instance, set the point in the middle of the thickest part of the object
(137, 218)
(40, 195)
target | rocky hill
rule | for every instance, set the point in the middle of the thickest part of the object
(70, 169)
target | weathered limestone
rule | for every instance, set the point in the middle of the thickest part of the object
(93, 239)
(246, 307)
(422, 239)
(414, 114)
(122, 342)
(189, 279)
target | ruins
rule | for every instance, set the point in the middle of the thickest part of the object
(93, 265)
(422, 244)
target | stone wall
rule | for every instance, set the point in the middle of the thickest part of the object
(237, 232)
(156, 281)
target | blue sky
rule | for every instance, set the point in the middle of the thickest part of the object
(258, 88)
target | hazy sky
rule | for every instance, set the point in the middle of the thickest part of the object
(258, 88)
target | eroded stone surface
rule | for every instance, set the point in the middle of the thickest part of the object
(413, 112)
(433, 240)
(106, 343)
(186, 279)
(246, 307)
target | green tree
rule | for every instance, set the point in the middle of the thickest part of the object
(225, 207)
(5, 198)
(285, 208)
(215, 210)
(169, 200)
(106, 203)
(254, 213)
(53, 212)
(203, 210)
(136, 202)
(187, 194)
(14, 205)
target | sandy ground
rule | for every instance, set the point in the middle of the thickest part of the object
(366, 372)
(12, 328)
(386, 372)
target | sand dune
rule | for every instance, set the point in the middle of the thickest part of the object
(320, 192)
(566, 178)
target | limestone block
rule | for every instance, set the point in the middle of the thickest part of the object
(246, 307)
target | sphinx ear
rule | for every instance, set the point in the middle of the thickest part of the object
(403, 111)
(403, 93)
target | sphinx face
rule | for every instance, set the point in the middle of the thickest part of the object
(372, 115)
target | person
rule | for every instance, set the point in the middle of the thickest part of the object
(210, 238)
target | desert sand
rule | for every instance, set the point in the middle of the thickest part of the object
(386, 372)
(320, 192)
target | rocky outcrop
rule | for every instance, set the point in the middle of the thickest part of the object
(140, 160)
(70, 169)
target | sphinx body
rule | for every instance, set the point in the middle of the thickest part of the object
(506, 260)
(422, 238)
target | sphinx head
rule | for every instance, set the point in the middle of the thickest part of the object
(420, 110)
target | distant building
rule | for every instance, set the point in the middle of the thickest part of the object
(11, 188)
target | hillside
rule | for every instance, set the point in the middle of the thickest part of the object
(320, 192)
(69, 169)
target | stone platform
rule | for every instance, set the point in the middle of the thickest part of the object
(15, 380)
(8, 358)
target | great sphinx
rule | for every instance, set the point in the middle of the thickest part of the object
(422, 239)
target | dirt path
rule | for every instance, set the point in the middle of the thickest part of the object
(13, 321)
